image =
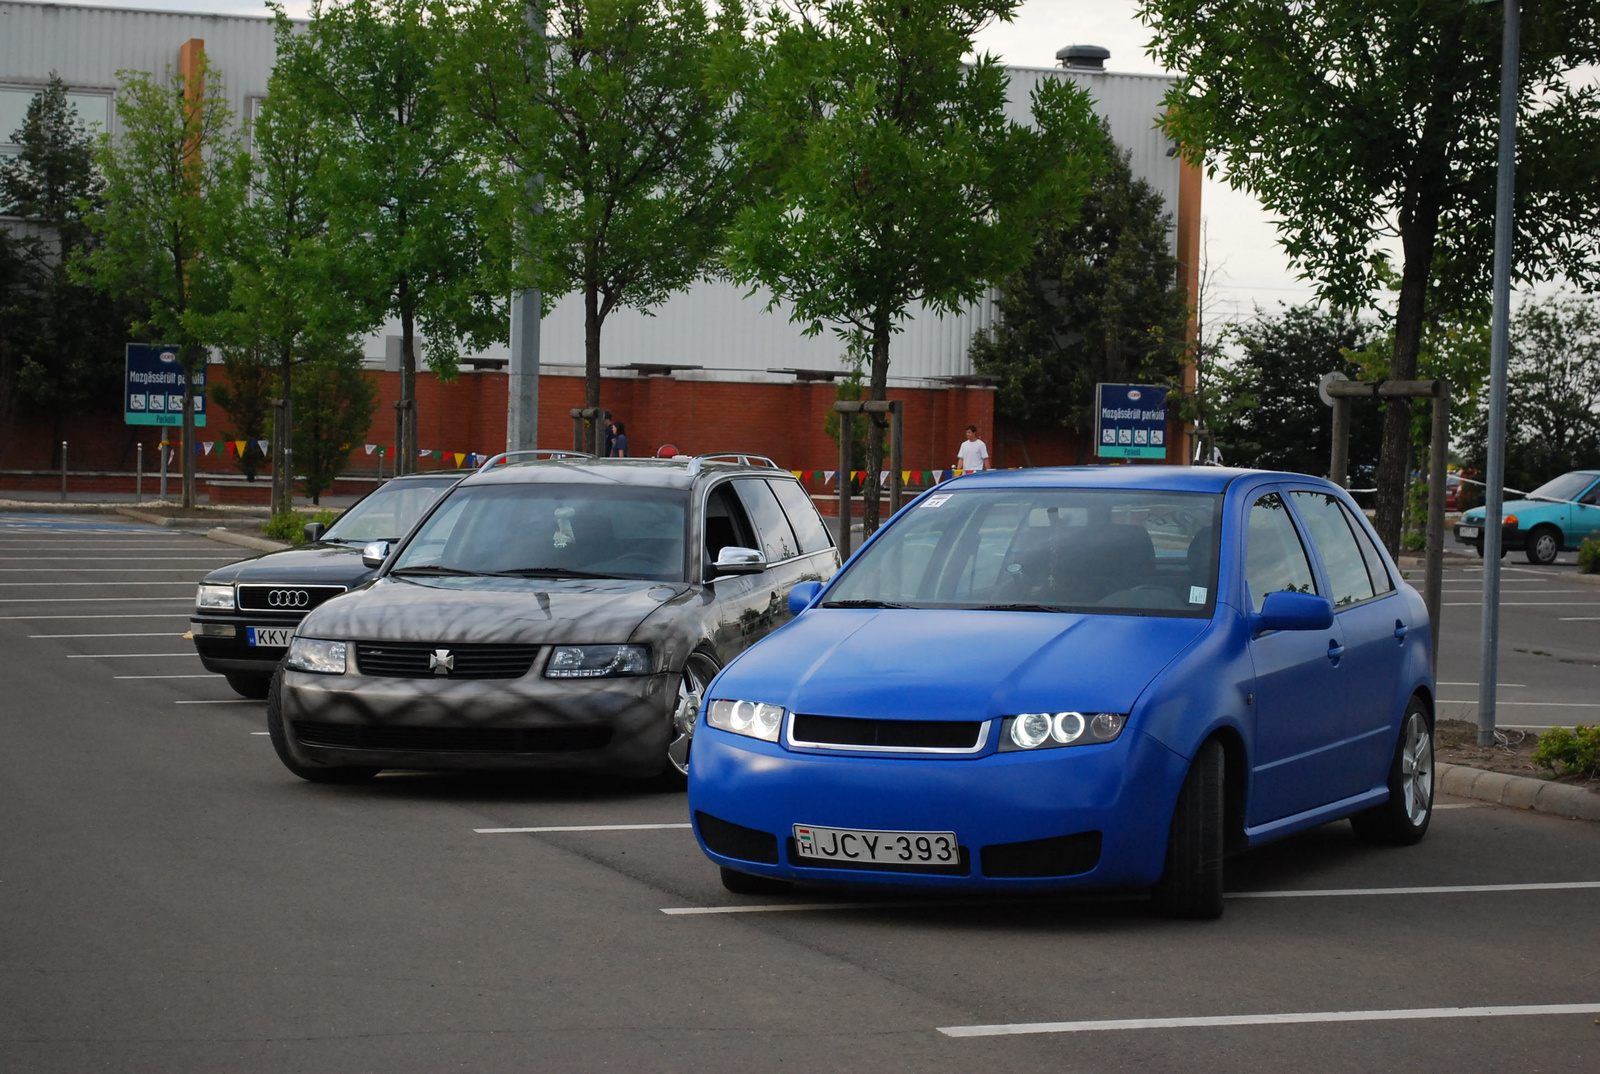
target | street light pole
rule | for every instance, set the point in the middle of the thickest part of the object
(522, 372)
(1494, 492)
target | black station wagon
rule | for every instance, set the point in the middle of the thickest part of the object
(552, 613)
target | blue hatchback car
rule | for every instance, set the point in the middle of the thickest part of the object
(1059, 678)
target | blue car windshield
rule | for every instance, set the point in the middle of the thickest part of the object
(1113, 552)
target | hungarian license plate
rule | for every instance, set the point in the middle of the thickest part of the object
(276, 637)
(880, 848)
(1469, 531)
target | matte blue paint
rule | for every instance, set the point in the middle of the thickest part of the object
(1316, 709)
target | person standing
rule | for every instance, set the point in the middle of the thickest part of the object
(610, 430)
(973, 454)
(619, 440)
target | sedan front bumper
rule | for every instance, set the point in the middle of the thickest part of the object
(1007, 810)
(615, 725)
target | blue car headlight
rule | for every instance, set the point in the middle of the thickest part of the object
(314, 654)
(1047, 730)
(597, 661)
(750, 718)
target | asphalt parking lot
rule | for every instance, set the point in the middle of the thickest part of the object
(172, 900)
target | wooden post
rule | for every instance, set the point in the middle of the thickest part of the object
(1339, 464)
(845, 430)
(897, 444)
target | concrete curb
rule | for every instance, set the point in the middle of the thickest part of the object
(29, 507)
(1519, 792)
(244, 540)
(151, 518)
(1592, 579)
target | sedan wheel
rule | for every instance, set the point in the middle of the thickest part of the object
(1404, 818)
(697, 675)
(1544, 544)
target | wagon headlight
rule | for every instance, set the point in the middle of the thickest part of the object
(313, 654)
(1044, 730)
(750, 718)
(214, 598)
(597, 661)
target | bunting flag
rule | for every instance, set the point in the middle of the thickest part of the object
(797, 474)
(238, 447)
(208, 445)
(827, 476)
(460, 458)
(262, 444)
(423, 453)
(438, 454)
(883, 477)
(227, 446)
(370, 448)
(809, 475)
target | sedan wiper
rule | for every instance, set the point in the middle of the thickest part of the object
(1017, 608)
(435, 569)
(862, 604)
(546, 572)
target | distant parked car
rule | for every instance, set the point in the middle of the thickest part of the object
(1554, 517)
(245, 612)
(1060, 678)
(564, 613)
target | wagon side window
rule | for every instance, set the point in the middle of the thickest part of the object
(1275, 560)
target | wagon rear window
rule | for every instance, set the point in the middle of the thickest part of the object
(1093, 550)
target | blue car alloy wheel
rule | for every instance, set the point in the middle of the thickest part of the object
(1075, 678)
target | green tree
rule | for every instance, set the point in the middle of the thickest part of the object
(408, 189)
(63, 337)
(292, 297)
(1263, 404)
(1360, 121)
(247, 397)
(1553, 396)
(333, 404)
(612, 105)
(1098, 301)
(169, 197)
(891, 175)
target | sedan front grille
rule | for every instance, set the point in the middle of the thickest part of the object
(843, 733)
(420, 661)
(451, 739)
(296, 599)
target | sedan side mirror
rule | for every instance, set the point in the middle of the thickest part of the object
(801, 596)
(1284, 610)
(374, 554)
(314, 532)
(736, 560)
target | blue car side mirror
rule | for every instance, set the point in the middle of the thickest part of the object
(801, 596)
(1284, 610)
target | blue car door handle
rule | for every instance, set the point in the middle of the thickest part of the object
(1335, 650)
(1400, 630)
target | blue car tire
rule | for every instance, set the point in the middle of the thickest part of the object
(1191, 882)
(1403, 820)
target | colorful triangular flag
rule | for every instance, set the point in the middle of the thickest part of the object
(828, 476)
(369, 448)
(238, 446)
(438, 453)
(208, 445)
(262, 444)
(460, 458)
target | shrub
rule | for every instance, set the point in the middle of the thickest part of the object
(1589, 555)
(1573, 752)
(286, 526)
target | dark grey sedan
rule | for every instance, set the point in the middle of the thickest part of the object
(558, 613)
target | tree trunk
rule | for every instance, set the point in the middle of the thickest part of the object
(283, 431)
(405, 421)
(187, 355)
(591, 343)
(1417, 239)
(870, 512)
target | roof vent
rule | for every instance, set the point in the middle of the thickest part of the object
(1084, 57)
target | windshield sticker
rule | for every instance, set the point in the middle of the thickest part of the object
(936, 501)
(1197, 594)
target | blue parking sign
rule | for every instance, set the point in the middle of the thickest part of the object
(152, 391)
(1131, 421)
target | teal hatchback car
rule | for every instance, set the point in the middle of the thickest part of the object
(1555, 516)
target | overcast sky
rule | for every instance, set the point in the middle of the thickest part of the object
(1247, 267)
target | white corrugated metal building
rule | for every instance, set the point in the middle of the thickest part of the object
(714, 325)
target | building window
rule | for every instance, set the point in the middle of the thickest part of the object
(94, 111)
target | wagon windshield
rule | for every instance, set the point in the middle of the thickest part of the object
(1132, 552)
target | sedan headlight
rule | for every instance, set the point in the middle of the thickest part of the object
(214, 598)
(313, 654)
(597, 661)
(1045, 730)
(750, 718)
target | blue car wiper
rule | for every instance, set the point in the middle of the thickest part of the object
(1017, 608)
(862, 604)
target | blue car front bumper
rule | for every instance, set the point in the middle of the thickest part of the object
(1055, 818)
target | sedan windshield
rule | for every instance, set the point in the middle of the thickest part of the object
(389, 513)
(1052, 550)
(1563, 488)
(552, 531)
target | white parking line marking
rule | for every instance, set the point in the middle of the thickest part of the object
(1533, 704)
(122, 656)
(226, 701)
(129, 615)
(113, 559)
(207, 675)
(91, 600)
(1580, 619)
(1270, 1019)
(1459, 805)
(95, 570)
(60, 585)
(1518, 685)
(582, 828)
(152, 634)
(1323, 893)
(261, 732)
(1453, 604)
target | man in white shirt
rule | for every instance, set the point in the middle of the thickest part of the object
(973, 454)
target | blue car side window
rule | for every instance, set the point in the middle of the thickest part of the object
(1348, 580)
(1275, 560)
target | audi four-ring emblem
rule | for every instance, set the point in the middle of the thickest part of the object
(288, 598)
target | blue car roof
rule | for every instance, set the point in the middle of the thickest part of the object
(1158, 478)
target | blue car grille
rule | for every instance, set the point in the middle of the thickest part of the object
(841, 732)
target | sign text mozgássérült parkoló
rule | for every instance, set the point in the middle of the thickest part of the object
(152, 391)
(1130, 421)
